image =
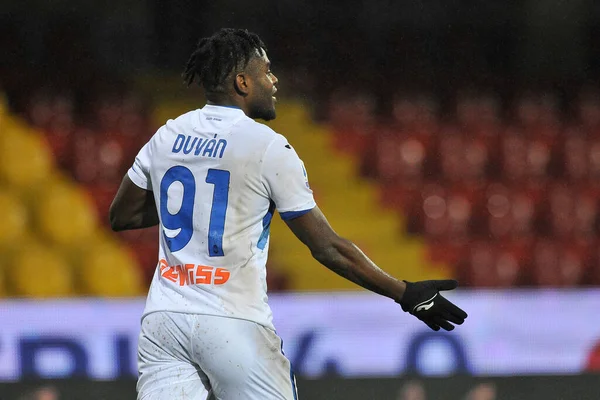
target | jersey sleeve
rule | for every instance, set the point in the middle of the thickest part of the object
(286, 180)
(139, 173)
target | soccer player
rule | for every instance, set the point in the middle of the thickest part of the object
(212, 178)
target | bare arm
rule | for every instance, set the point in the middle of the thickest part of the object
(132, 207)
(342, 256)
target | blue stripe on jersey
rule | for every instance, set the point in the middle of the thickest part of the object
(288, 215)
(222, 105)
(135, 168)
(262, 240)
(292, 378)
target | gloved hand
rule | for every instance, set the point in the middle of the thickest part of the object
(423, 300)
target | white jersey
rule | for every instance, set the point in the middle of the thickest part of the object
(217, 177)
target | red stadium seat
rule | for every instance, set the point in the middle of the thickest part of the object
(588, 112)
(478, 120)
(462, 157)
(451, 156)
(492, 265)
(415, 114)
(402, 157)
(353, 122)
(527, 158)
(537, 114)
(508, 213)
(53, 115)
(444, 212)
(478, 115)
(593, 274)
(60, 143)
(575, 158)
(401, 197)
(514, 155)
(594, 161)
(102, 156)
(558, 264)
(102, 194)
(449, 251)
(398, 151)
(477, 158)
(144, 247)
(569, 211)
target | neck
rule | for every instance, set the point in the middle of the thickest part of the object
(227, 102)
(224, 105)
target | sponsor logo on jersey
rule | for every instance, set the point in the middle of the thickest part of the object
(192, 274)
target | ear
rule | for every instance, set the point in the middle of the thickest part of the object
(240, 83)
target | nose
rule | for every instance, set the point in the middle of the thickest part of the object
(274, 79)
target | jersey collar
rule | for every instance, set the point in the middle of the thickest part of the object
(219, 108)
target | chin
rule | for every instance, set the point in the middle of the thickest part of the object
(266, 115)
(270, 116)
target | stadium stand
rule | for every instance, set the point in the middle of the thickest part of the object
(505, 199)
(497, 199)
(351, 205)
(52, 244)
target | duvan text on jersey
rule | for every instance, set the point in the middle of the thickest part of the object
(200, 147)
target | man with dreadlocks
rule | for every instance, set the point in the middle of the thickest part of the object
(212, 178)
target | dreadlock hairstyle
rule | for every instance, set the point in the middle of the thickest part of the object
(215, 57)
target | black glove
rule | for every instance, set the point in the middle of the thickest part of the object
(423, 300)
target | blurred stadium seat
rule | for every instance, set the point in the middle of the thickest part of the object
(110, 271)
(492, 265)
(505, 199)
(26, 161)
(461, 181)
(40, 271)
(50, 223)
(557, 264)
(15, 220)
(65, 215)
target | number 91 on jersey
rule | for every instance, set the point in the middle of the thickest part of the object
(191, 274)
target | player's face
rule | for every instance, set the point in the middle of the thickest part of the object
(261, 96)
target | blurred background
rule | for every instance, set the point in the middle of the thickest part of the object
(446, 138)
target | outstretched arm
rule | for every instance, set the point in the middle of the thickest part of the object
(421, 299)
(132, 207)
(342, 256)
(286, 181)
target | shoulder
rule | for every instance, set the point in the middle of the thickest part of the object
(258, 133)
(182, 124)
(185, 119)
(256, 129)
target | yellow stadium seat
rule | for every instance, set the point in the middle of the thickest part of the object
(3, 104)
(2, 279)
(108, 270)
(40, 271)
(65, 215)
(38, 202)
(26, 159)
(3, 111)
(14, 217)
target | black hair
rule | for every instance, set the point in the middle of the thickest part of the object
(215, 57)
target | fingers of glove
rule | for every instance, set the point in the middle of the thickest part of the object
(446, 284)
(443, 323)
(450, 307)
(433, 326)
(452, 318)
